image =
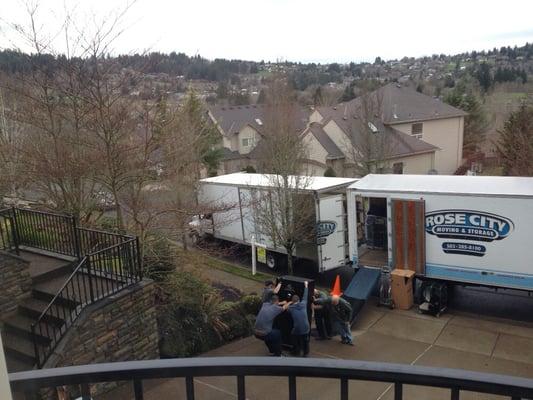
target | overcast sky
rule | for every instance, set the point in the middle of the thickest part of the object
(296, 30)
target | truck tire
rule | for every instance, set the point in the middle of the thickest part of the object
(272, 261)
(195, 238)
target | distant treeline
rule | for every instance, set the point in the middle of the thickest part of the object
(178, 64)
(222, 70)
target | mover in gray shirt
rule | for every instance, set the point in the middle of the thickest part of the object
(264, 324)
(300, 323)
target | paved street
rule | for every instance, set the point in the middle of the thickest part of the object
(455, 340)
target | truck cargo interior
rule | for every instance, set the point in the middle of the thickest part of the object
(372, 231)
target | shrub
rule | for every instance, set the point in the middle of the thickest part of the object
(193, 318)
(237, 322)
(251, 304)
(190, 317)
(159, 257)
(330, 172)
(249, 169)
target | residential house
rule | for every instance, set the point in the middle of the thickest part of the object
(242, 128)
(403, 131)
(406, 115)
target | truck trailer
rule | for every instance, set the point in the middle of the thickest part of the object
(233, 198)
(471, 230)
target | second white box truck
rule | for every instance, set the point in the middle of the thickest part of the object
(232, 196)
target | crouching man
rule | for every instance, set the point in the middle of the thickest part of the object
(341, 316)
(264, 324)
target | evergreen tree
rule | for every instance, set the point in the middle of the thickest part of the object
(318, 100)
(515, 145)
(261, 99)
(222, 90)
(348, 93)
(483, 76)
(476, 122)
(330, 172)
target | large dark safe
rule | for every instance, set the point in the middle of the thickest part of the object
(291, 285)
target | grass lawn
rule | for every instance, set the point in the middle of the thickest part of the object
(201, 261)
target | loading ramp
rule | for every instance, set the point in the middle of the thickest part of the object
(363, 283)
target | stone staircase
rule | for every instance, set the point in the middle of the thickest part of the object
(48, 276)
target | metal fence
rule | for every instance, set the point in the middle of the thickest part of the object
(46, 231)
(98, 275)
(107, 263)
(137, 373)
(7, 230)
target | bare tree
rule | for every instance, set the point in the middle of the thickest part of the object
(11, 143)
(189, 151)
(283, 212)
(56, 159)
(369, 144)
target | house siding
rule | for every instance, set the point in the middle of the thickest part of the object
(339, 138)
(447, 135)
(315, 117)
(418, 164)
(250, 133)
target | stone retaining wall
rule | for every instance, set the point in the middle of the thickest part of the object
(15, 282)
(122, 327)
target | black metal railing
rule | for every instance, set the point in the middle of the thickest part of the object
(60, 313)
(98, 275)
(47, 231)
(107, 263)
(398, 375)
(91, 240)
(8, 240)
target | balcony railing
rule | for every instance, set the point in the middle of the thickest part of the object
(344, 371)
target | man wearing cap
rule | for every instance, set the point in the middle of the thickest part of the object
(269, 290)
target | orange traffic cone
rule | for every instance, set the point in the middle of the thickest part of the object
(337, 287)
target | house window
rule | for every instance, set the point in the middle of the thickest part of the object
(417, 129)
(397, 168)
(246, 142)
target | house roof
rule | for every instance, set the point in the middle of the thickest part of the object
(448, 184)
(398, 143)
(397, 104)
(323, 138)
(231, 119)
(311, 183)
(403, 144)
(228, 154)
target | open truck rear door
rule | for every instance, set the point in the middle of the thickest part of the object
(408, 235)
(331, 232)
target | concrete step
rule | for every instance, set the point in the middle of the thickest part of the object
(20, 324)
(48, 289)
(44, 267)
(19, 348)
(16, 365)
(33, 308)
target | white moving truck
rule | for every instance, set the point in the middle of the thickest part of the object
(463, 229)
(232, 197)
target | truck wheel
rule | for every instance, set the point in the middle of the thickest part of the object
(271, 261)
(195, 238)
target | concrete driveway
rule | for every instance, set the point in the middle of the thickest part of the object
(454, 340)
